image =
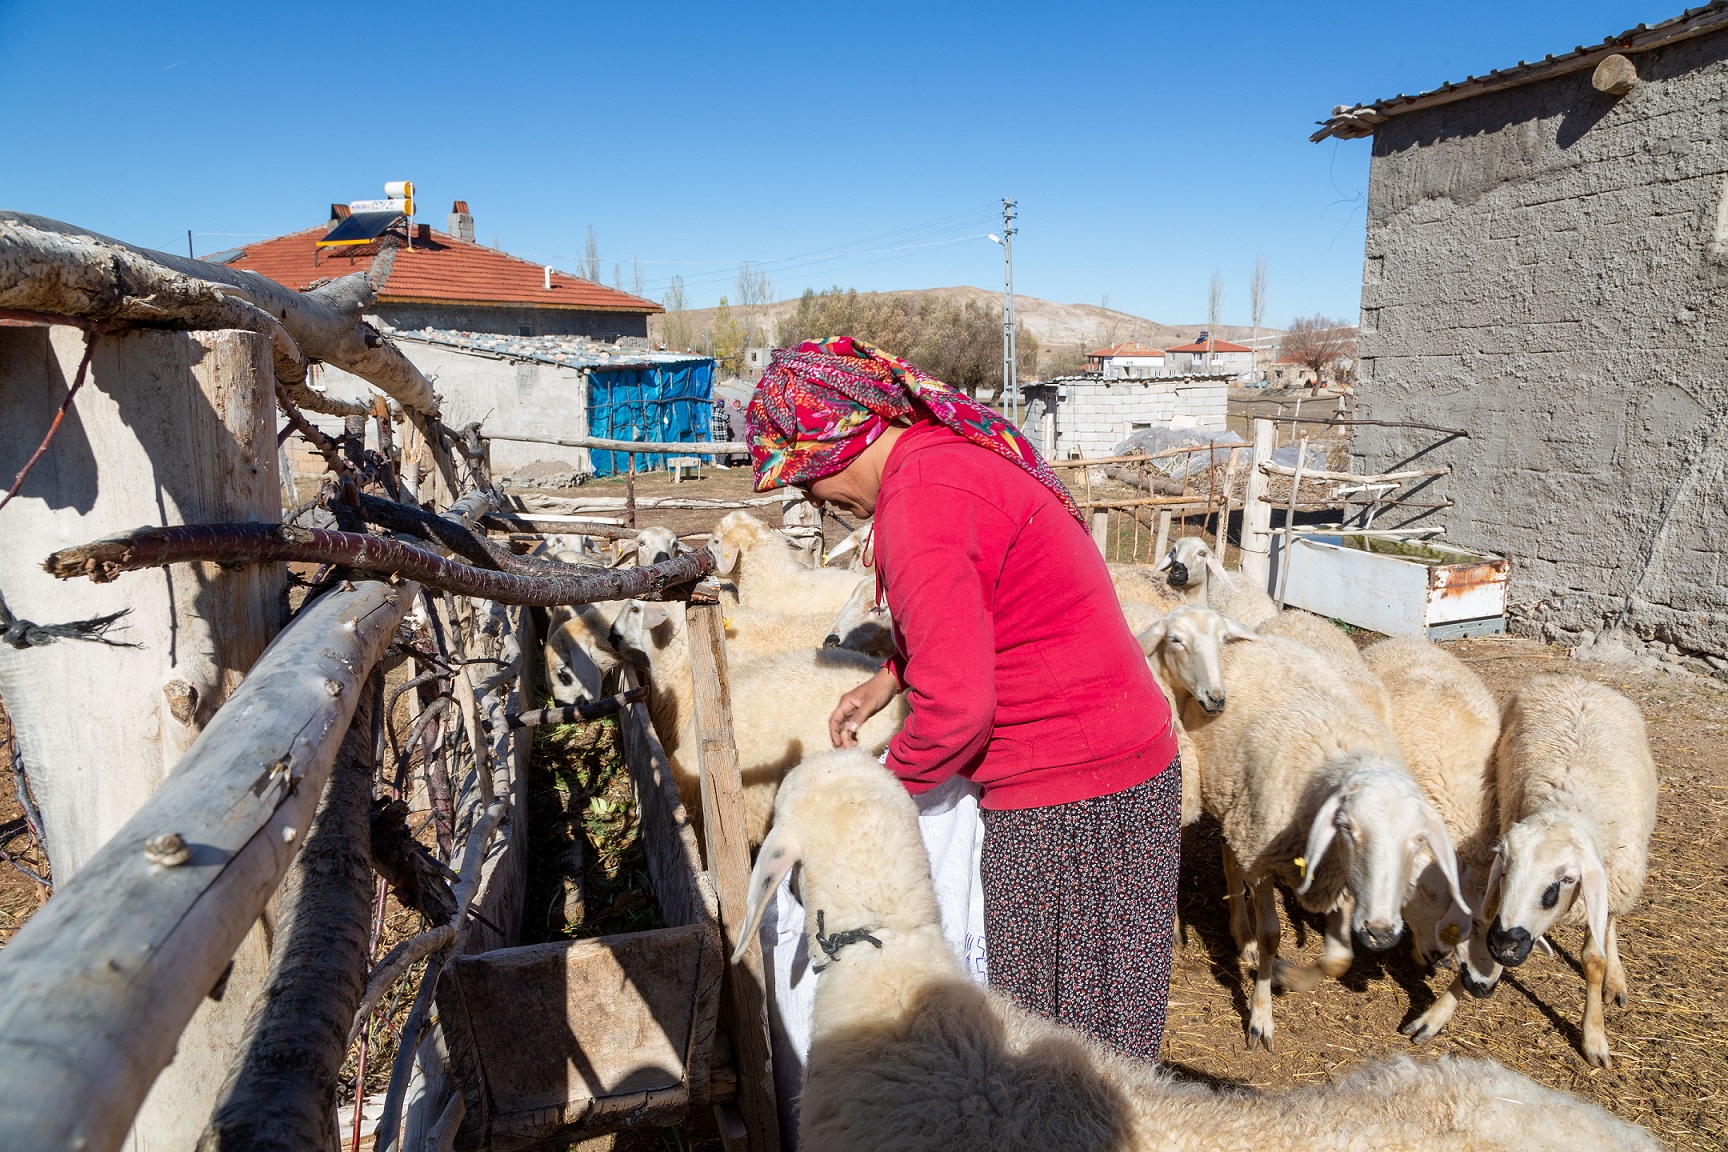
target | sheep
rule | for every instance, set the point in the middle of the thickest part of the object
(655, 545)
(1183, 650)
(1341, 654)
(780, 707)
(863, 625)
(1196, 572)
(770, 574)
(908, 1053)
(1577, 806)
(1446, 723)
(859, 545)
(1295, 762)
(578, 651)
(1139, 584)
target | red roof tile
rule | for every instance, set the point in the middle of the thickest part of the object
(1127, 348)
(442, 270)
(1210, 346)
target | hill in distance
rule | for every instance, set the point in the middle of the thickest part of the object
(1057, 326)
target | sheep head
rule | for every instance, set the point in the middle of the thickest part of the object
(853, 830)
(1387, 832)
(1188, 643)
(863, 624)
(641, 630)
(654, 545)
(1541, 867)
(1191, 564)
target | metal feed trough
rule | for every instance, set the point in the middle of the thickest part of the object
(1396, 587)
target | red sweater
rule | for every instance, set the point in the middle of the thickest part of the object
(1020, 668)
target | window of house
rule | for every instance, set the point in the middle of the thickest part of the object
(524, 330)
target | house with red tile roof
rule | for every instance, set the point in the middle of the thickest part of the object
(1207, 354)
(444, 280)
(1127, 360)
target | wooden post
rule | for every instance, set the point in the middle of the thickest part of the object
(1256, 513)
(1101, 532)
(1290, 520)
(630, 493)
(804, 514)
(1224, 512)
(1163, 536)
(745, 1003)
(169, 428)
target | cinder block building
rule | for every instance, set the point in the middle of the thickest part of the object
(1088, 415)
(1547, 269)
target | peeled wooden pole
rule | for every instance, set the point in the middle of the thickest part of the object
(325, 322)
(96, 988)
(1256, 513)
(281, 1092)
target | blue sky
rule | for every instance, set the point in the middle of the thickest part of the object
(860, 145)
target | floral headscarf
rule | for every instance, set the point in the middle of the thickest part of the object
(818, 407)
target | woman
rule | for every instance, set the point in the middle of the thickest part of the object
(1021, 673)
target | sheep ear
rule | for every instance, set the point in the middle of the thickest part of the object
(1445, 855)
(1152, 637)
(1235, 630)
(1165, 561)
(779, 852)
(653, 615)
(1593, 888)
(840, 549)
(725, 556)
(624, 557)
(1491, 892)
(1216, 567)
(1320, 835)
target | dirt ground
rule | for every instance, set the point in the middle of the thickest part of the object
(1670, 1053)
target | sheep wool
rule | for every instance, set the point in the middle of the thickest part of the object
(908, 1054)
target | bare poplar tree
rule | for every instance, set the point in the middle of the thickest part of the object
(1257, 295)
(618, 277)
(591, 257)
(675, 325)
(1214, 310)
(636, 284)
(754, 295)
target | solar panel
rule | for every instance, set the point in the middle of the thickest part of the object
(359, 228)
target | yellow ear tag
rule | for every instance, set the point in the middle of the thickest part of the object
(1450, 935)
(1302, 865)
(726, 623)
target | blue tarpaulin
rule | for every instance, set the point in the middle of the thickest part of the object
(658, 402)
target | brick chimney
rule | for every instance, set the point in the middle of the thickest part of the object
(461, 222)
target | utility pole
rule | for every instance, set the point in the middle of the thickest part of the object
(1010, 366)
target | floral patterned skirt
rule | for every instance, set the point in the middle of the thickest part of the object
(1080, 909)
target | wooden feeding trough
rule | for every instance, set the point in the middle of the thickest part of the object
(1396, 587)
(552, 1042)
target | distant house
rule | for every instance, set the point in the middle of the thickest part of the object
(1127, 361)
(1208, 355)
(1547, 271)
(445, 281)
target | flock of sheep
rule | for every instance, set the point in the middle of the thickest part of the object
(1384, 787)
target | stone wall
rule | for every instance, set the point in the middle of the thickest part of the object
(510, 321)
(1098, 414)
(1546, 267)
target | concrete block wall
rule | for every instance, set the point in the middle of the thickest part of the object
(1099, 414)
(1547, 267)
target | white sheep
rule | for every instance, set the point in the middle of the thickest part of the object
(1577, 807)
(863, 625)
(1197, 573)
(1296, 765)
(1183, 649)
(780, 707)
(770, 574)
(908, 1053)
(1142, 584)
(655, 545)
(1339, 650)
(1446, 723)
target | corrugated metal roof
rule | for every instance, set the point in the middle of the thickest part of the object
(438, 269)
(567, 351)
(1351, 121)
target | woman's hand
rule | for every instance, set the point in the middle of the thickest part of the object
(859, 705)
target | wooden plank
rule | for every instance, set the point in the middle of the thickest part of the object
(1163, 536)
(97, 987)
(745, 1008)
(650, 447)
(570, 1036)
